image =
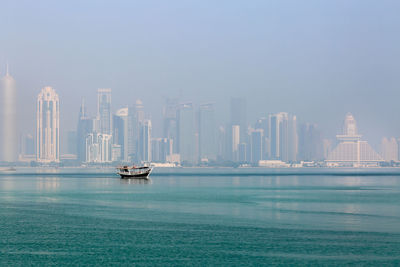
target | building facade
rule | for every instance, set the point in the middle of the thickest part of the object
(104, 115)
(9, 127)
(283, 139)
(207, 132)
(351, 150)
(48, 126)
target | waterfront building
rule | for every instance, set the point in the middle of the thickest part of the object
(243, 152)
(85, 126)
(170, 121)
(160, 149)
(351, 150)
(28, 145)
(9, 127)
(207, 132)
(256, 145)
(145, 141)
(98, 148)
(116, 152)
(186, 133)
(310, 143)
(136, 117)
(283, 137)
(238, 115)
(235, 142)
(71, 143)
(48, 126)
(390, 149)
(327, 147)
(262, 123)
(121, 132)
(104, 115)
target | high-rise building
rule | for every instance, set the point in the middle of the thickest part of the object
(238, 115)
(9, 131)
(160, 149)
(104, 116)
(28, 145)
(256, 145)
(243, 157)
(48, 126)
(85, 126)
(390, 149)
(207, 132)
(170, 121)
(98, 148)
(71, 142)
(136, 117)
(327, 147)
(235, 142)
(145, 141)
(262, 123)
(222, 144)
(351, 150)
(186, 133)
(310, 142)
(283, 138)
(121, 131)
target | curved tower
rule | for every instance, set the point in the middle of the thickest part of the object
(9, 142)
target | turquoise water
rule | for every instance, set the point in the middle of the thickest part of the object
(199, 218)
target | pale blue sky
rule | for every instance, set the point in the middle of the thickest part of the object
(317, 59)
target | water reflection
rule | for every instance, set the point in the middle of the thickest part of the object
(136, 181)
(48, 183)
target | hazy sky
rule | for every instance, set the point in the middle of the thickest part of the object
(317, 59)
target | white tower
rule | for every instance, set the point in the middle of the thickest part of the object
(48, 126)
(9, 142)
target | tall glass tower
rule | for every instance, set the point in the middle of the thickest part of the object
(186, 133)
(104, 111)
(9, 142)
(207, 132)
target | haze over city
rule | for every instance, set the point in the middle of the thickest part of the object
(315, 60)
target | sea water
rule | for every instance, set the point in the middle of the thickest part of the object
(199, 217)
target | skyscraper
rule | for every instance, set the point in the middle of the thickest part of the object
(283, 136)
(310, 142)
(238, 115)
(235, 142)
(9, 142)
(256, 144)
(104, 115)
(71, 142)
(186, 133)
(170, 127)
(145, 141)
(136, 117)
(390, 149)
(121, 131)
(85, 126)
(48, 126)
(207, 132)
(98, 148)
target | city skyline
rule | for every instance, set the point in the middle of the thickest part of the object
(315, 60)
(126, 135)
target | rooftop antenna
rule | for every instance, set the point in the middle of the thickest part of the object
(7, 69)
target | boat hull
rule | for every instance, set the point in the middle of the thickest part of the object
(136, 173)
(135, 176)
